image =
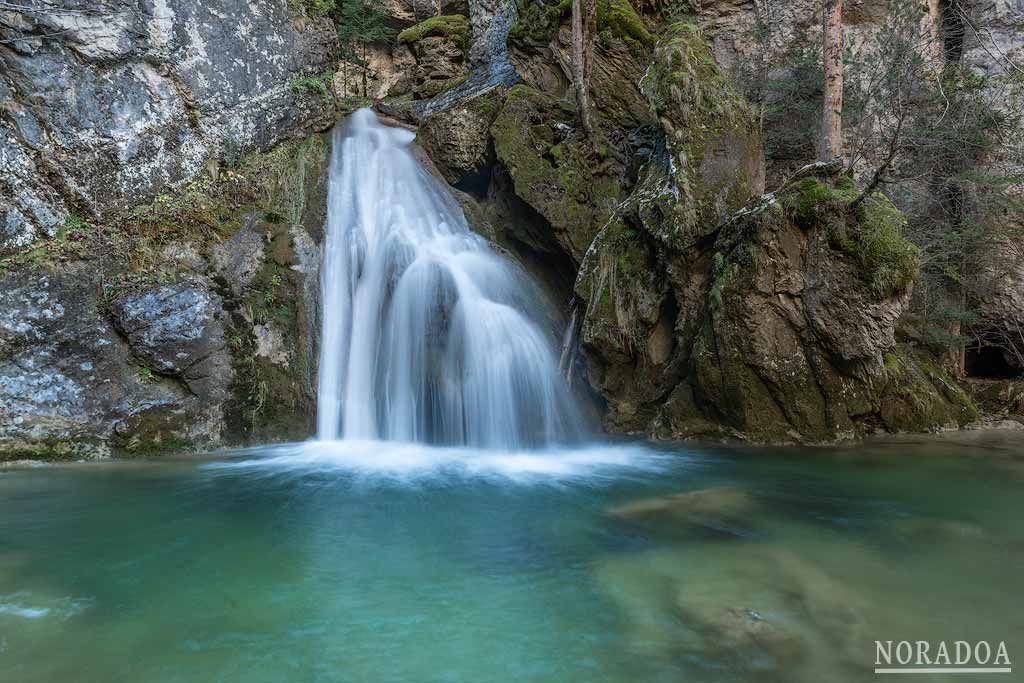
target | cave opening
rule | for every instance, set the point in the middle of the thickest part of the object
(989, 362)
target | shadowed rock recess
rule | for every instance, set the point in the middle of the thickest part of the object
(163, 197)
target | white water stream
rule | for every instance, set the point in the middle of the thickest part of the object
(427, 335)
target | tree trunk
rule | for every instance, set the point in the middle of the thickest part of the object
(831, 145)
(364, 71)
(583, 19)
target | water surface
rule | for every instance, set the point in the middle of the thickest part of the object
(382, 562)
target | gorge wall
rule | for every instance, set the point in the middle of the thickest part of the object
(162, 189)
(164, 192)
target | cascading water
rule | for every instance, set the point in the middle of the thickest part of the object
(425, 336)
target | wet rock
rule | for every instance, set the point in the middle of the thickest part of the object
(831, 606)
(758, 640)
(458, 142)
(933, 531)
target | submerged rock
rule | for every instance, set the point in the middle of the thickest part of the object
(760, 641)
(721, 509)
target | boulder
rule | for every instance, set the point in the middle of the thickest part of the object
(178, 331)
(68, 385)
(239, 259)
(439, 47)
(457, 140)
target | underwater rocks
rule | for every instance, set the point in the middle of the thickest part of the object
(725, 510)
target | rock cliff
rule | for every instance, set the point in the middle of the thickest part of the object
(164, 192)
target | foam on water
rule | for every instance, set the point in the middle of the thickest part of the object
(381, 461)
(21, 605)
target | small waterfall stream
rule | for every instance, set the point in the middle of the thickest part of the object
(426, 334)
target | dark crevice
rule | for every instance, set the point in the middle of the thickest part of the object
(952, 27)
(989, 362)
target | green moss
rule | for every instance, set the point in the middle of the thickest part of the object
(562, 179)
(616, 19)
(269, 184)
(316, 84)
(620, 18)
(872, 235)
(455, 27)
(705, 120)
(812, 201)
(888, 261)
(538, 22)
(919, 396)
(722, 273)
(312, 8)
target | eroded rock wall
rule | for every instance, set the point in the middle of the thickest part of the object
(161, 203)
(104, 103)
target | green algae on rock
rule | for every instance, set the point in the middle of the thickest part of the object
(454, 27)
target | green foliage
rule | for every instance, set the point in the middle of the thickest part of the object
(949, 135)
(871, 233)
(312, 8)
(455, 27)
(621, 20)
(887, 260)
(785, 83)
(361, 23)
(317, 84)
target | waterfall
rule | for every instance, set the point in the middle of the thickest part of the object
(427, 334)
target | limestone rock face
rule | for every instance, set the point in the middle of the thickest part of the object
(69, 386)
(761, 343)
(190, 325)
(178, 330)
(106, 104)
(458, 142)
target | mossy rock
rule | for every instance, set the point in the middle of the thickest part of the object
(619, 285)
(712, 134)
(919, 396)
(617, 19)
(454, 27)
(558, 174)
(871, 234)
